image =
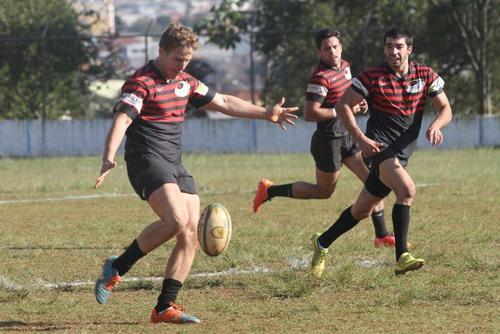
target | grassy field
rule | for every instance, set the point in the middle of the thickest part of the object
(48, 236)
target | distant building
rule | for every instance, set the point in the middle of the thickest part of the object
(131, 51)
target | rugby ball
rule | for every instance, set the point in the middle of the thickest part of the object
(214, 229)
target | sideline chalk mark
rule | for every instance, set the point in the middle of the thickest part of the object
(64, 198)
(296, 264)
(105, 195)
(11, 285)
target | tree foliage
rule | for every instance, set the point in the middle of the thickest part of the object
(470, 27)
(43, 49)
(150, 26)
(283, 32)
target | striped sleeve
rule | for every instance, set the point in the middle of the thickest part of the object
(361, 84)
(435, 83)
(134, 94)
(317, 89)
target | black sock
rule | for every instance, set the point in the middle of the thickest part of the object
(378, 220)
(345, 222)
(283, 190)
(125, 261)
(169, 293)
(401, 223)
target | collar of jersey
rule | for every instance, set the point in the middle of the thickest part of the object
(157, 70)
(411, 69)
(328, 67)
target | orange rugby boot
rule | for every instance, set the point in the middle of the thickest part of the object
(261, 195)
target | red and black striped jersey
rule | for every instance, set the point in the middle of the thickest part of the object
(157, 108)
(396, 103)
(326, 86)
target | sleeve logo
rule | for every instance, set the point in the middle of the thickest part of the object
(133, 100)
(317, 89)
(182, 89)
(436, 86)
(202, 89)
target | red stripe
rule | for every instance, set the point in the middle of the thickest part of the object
(398, 101)
(317, 80)
(398, 98)
(164, 104)
(398, 109)
(162, 120)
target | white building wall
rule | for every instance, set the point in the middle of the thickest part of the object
(86, 137)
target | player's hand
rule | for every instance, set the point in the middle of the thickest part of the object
(106, 167)
(361, 107)
(434, 135)
(369, 147)
(278, 114)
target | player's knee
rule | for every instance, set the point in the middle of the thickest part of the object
(325, 193)
(177, 223)
(360, 212)
(406, 194)
(188, 234)
(379, 207)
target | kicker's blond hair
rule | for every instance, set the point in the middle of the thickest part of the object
(178, 35)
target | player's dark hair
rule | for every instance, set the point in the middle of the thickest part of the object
(398, 32)
(324, 34)
(178, 35)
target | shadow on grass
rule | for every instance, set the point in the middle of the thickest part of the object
(21, 326)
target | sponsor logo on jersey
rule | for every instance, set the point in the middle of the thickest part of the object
(347, 73)
(415, 86)
(383, 82)
(133, 100)
(182, 89)
(317, 89)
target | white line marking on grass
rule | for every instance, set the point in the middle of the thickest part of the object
(369, 263)
(64, 198)
(104, 195)
(431, 184)
(10, 285)
(295, 264)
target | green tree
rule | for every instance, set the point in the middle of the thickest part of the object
(283, 30)
(43, 49)
(145, 25)
(274, 30)
(472, 44)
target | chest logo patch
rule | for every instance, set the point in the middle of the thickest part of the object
(347, 73)
(415, 86)
(182, 89)
(383, 82)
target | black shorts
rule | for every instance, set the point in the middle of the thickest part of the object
(373, 184)
(148, 172)
(329, 152)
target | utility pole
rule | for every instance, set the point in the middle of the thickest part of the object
(252, 61)
(45, 89)
(146, 38)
